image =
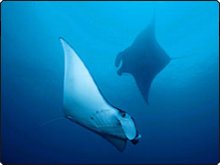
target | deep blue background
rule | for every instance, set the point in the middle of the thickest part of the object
(180, 125)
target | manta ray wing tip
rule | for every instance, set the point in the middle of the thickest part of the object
(61, 39)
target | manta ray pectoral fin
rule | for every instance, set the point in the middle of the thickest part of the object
(144, 84)
(119, 143)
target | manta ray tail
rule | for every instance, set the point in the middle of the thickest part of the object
(50, 122)
(181, 57)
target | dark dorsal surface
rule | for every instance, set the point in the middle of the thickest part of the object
(144, 59)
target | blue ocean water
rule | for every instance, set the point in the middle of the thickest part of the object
(180, 124)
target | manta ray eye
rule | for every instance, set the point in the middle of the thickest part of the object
(123, 114)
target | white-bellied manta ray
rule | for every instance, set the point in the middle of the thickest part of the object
(143, 59)
(84, 104)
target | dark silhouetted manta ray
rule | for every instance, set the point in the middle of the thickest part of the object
(143, 59)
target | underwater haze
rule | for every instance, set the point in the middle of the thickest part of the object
(179, 125)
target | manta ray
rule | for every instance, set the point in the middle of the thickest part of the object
(143, 59)
(85, 105)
